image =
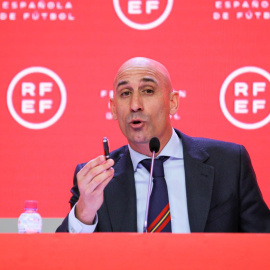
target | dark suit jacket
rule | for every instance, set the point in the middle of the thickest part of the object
(222, 191)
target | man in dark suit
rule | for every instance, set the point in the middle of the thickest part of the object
(211, 184)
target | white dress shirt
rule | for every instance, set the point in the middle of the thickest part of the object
(175, 179)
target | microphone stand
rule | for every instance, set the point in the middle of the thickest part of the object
(149, 192)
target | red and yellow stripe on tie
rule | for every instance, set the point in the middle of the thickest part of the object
(161, 220)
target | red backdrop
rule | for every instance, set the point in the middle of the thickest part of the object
(58, 62)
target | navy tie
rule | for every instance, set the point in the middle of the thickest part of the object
(159, 217)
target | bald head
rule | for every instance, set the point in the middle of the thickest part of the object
(142, 63)
(143, 102)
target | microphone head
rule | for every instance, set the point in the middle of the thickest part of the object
(154, 144)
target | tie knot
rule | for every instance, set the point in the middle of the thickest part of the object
(158, 170)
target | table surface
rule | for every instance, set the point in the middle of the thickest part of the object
(135, 251)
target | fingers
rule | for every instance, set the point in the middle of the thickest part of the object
(92, 179)
(95, 172)
(91, 164)
(94, 167)
(99, 182)
(105, 183)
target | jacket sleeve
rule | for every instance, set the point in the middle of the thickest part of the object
(254, 213)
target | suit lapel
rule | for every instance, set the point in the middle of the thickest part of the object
(199, 182)
(121, 196)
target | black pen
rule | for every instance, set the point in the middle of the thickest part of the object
(106, 148)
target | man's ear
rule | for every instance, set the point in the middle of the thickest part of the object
(113, 109)
(174, 102)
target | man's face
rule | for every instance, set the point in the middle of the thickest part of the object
(142, 104)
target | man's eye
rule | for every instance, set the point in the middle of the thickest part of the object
(149, 91)
(125, 93)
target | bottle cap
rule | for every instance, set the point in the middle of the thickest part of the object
(30, 205)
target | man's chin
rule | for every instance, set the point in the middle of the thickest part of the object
(139, 139)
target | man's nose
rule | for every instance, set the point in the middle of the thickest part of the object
(136, 102)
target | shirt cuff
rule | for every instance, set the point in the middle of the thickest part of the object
(76, 226)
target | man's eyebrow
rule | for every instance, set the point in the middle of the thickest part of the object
(121, 83)
(147, 79)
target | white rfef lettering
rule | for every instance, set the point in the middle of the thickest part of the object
(134, 7)
(258, 87)
(240, 106)
(241, 88)
(45, 87)
(258, 104)
(28, 106)
(151, 5)
(45, 104)
(28, 88)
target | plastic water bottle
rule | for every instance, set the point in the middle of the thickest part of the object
(30, 221)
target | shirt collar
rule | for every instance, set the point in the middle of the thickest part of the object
(173, 149)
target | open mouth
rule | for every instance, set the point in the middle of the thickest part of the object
(136, 123)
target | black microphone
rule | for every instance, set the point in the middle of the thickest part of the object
(154, 146)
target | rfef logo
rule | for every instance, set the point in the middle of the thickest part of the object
(245, 97)
(143, 14)
(36, 97)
